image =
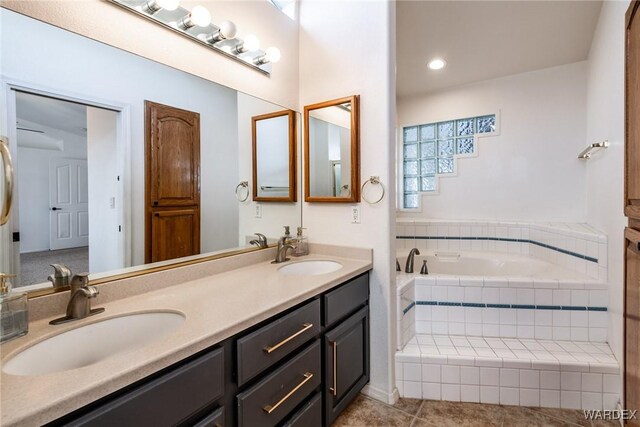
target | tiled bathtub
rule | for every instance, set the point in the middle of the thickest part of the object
(525, 332)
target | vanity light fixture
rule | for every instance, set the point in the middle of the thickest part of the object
(196, 24)
(199, 16)
(437, 64)
(227, 30)
(153, 6)
(272, 55)
(249, 44)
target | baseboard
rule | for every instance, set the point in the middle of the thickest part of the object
(381, 395)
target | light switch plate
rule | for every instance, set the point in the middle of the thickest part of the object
(258, 212)
(355, 214)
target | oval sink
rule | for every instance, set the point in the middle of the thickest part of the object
(92, 343)
(310, 268)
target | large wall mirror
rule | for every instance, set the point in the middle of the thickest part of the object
(274, 157)
(332, 151)
(112, 150)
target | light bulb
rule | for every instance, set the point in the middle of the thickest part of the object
(200, 16)
(272, 55)
(228, 29)
(226, 49)
(437, 64)
(168, 4)
(251, 43)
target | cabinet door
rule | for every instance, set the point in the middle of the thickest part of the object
(175, 233)
(347, 362)
(632, 321)
(173, 156)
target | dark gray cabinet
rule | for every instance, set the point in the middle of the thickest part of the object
(274, 341)
(346, 349)
(300, 368)
(276, 396)
(167, 399)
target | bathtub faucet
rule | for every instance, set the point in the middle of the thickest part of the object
(424, 269)
(408, 268)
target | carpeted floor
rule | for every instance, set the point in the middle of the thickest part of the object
(35, 266)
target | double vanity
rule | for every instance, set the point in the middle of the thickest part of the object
(254, 343)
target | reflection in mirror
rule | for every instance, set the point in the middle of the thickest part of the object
(274, 157)
(331, 151)
(76, 114)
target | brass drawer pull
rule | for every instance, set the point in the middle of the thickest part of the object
(269, 409)
(334, 389)
(306, 326)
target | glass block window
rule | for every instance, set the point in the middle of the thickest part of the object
(429, 150)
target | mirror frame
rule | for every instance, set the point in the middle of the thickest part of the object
(292, 197)
(355, 150)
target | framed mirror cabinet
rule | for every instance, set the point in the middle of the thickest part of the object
(332, 151)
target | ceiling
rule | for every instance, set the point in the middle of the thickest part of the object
(482, 40)
(53, 113)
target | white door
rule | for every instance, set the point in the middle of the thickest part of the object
(68, 203)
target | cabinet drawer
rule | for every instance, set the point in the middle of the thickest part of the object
(309, 416)
(271, 343)
(215, 419)
(272, 399)
(165, 400)
(346, 299)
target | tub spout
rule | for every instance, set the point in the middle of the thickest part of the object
(424, 269)
(408, 268)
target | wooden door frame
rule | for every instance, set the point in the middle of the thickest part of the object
(8, 87)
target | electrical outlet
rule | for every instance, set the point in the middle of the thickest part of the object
(112, 202)
(258, 213)
(355, 214)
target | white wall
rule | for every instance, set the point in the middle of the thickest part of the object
(113, 25)
(105, 240)
(63, 61)
(274, 215)
(32, 165)
(529, 171)
(605, 169)
(348, 48)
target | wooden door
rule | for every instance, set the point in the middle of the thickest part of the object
(172, 180)
(68, 203)
(632, 211)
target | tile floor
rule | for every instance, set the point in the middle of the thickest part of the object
(511, 348)
(367, 412)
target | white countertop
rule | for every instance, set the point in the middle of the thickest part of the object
(216, 307)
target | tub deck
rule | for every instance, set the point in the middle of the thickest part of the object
(509, 371)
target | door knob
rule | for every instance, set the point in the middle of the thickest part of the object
(56, 209)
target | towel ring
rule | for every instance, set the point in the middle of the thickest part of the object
(245, 185)
(373, 180)
(345, 188)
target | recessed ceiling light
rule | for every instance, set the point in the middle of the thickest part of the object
(437, 64)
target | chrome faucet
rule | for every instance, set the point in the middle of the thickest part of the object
(408, 268)
(260, 242)
(61, 275)
(281, 255)
(79, 305)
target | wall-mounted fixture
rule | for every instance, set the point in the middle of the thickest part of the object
(374, 180)
(196, 24)
(586, 153)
